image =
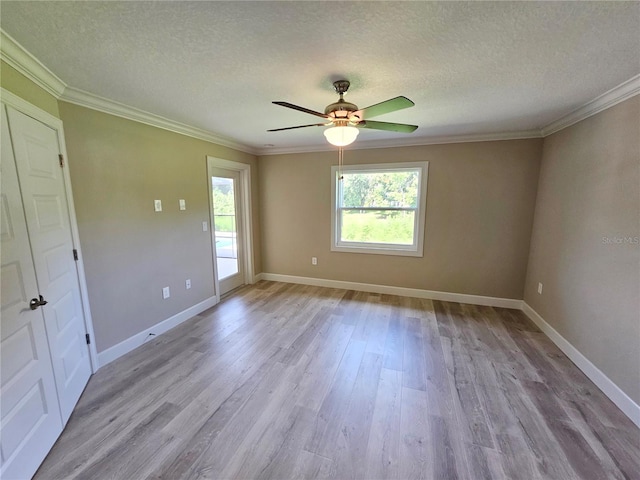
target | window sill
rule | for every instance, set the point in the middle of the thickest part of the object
(378, 250)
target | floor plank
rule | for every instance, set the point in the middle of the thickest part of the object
(415, 440)
(382, 458)
(292, 381)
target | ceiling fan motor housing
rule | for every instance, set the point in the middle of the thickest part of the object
(341, 111)
(340, 107)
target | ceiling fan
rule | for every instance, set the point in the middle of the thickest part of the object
(344, 118)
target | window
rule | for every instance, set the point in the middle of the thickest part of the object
(379, 208)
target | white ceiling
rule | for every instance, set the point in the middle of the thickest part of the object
(471, 68)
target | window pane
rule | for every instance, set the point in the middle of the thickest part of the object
(380, 189)
(382, 226)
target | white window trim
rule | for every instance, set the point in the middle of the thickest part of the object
(415, 250)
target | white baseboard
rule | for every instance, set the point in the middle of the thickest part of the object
(133, 342)
(604, 383)
(400, 291)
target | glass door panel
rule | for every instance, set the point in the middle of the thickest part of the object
(226, 222)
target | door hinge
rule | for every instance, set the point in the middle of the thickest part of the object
(75, 254)
(61, 159)
(88, 338)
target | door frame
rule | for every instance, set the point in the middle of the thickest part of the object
(244, 186)
(55, 123)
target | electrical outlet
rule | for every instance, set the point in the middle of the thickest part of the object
(314, 260)
(166, 293)
(205, 226)
(540, 288)
(157, 205)
(187, 283)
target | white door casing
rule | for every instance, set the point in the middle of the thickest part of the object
(245, 209)
(37, 151)
(31, 418)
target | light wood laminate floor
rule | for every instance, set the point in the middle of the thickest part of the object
(289, 381)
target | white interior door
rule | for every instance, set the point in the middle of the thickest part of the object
(36, 151)
(228, 231)
(31, 420)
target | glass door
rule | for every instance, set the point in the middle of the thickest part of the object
(227, 231)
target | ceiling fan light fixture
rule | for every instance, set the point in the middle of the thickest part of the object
(341, 136)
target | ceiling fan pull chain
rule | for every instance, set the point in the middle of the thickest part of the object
(340, 162)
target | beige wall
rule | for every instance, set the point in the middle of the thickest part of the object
(21, 86)
(480, 203)
(118, 168)
(589, 191)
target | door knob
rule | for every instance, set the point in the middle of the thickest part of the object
(35, 303)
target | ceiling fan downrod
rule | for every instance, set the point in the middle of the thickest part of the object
(341, 86)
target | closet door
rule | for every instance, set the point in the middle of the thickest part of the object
(37, 151)
(31, 419)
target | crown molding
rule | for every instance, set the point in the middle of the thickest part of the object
(408, 142)
(608, 99)
(96, 102)
(24, 62)
(15, 55)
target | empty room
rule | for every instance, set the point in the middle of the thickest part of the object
(320, 239)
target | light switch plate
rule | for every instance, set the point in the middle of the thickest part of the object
(166, 293)
(187, 283)
(183, 204)
(157, 205)
(205, 226)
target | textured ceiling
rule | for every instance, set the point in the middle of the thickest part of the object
(470, 67)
